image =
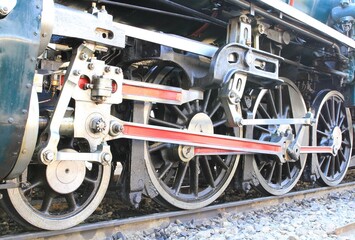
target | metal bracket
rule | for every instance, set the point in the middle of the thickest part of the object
(48, 148)
(231, 96)
(6, 6)
(102, 155)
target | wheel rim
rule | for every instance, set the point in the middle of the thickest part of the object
(285, 101)
(36, 205)
(333, 121)
(192, 182)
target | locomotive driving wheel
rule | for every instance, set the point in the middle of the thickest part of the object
(181, 179)
(275, 176)
(333, 128)
(57, 196)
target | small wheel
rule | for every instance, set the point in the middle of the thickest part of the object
(333, 128)
(181, 179)
(274, 177)
(57, 196)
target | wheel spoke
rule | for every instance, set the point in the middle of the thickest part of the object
(165, 123)
(322, 133)
(279, 176)
(47, 202)
(263, 111)
(219, 161)
(70, 198)
(322, 161)
(338, 114)
(333, 109)
(194, 175)
(288, 170)
(327, 110)
(332, 166)
(346, 143)
(342, 118)
(279, 99)
(337, 163)
(180, 175)
(345, 130)
(207, 171)
(90, 180)
(32, 185)
(179, 113)
(324, 121)
(271, 173)
(271, 104)
(342, 157)
(214, 110)
(188, 108)
(157, 146)
(219, 123)
(197, 105)
(166, 168)
(206, 100)
(263, 129)
(327, 165)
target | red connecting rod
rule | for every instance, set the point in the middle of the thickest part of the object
(210, 144)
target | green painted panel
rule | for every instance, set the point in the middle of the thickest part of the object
(19, 42)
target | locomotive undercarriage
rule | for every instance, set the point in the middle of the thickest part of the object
(172, 118)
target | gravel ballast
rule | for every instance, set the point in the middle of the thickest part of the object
(307, 219)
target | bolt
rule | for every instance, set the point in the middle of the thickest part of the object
(49, 156)
(118, 71)
(137, 198)
(91, 66)
(98, 125)
(83, 56)
(77, 72)
(4, 11)
(187, 151)
(117, 128)
(10, 120)
(106, 157)
(107, 69)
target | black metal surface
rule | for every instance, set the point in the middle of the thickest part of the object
(19, 43)
(161, 12)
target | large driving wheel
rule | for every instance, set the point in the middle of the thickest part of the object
(57, 196)
(273, 176)
(333, 128)
(181, 179)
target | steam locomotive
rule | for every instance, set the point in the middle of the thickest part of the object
(171, 100)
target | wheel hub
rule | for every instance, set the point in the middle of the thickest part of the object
(336, 136)
(65, 176)
(200, 123)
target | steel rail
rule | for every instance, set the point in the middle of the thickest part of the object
(346, 230)
(104, 229)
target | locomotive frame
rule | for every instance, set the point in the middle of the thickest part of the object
(171, 118)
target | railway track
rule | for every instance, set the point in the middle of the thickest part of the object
(113, 228)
